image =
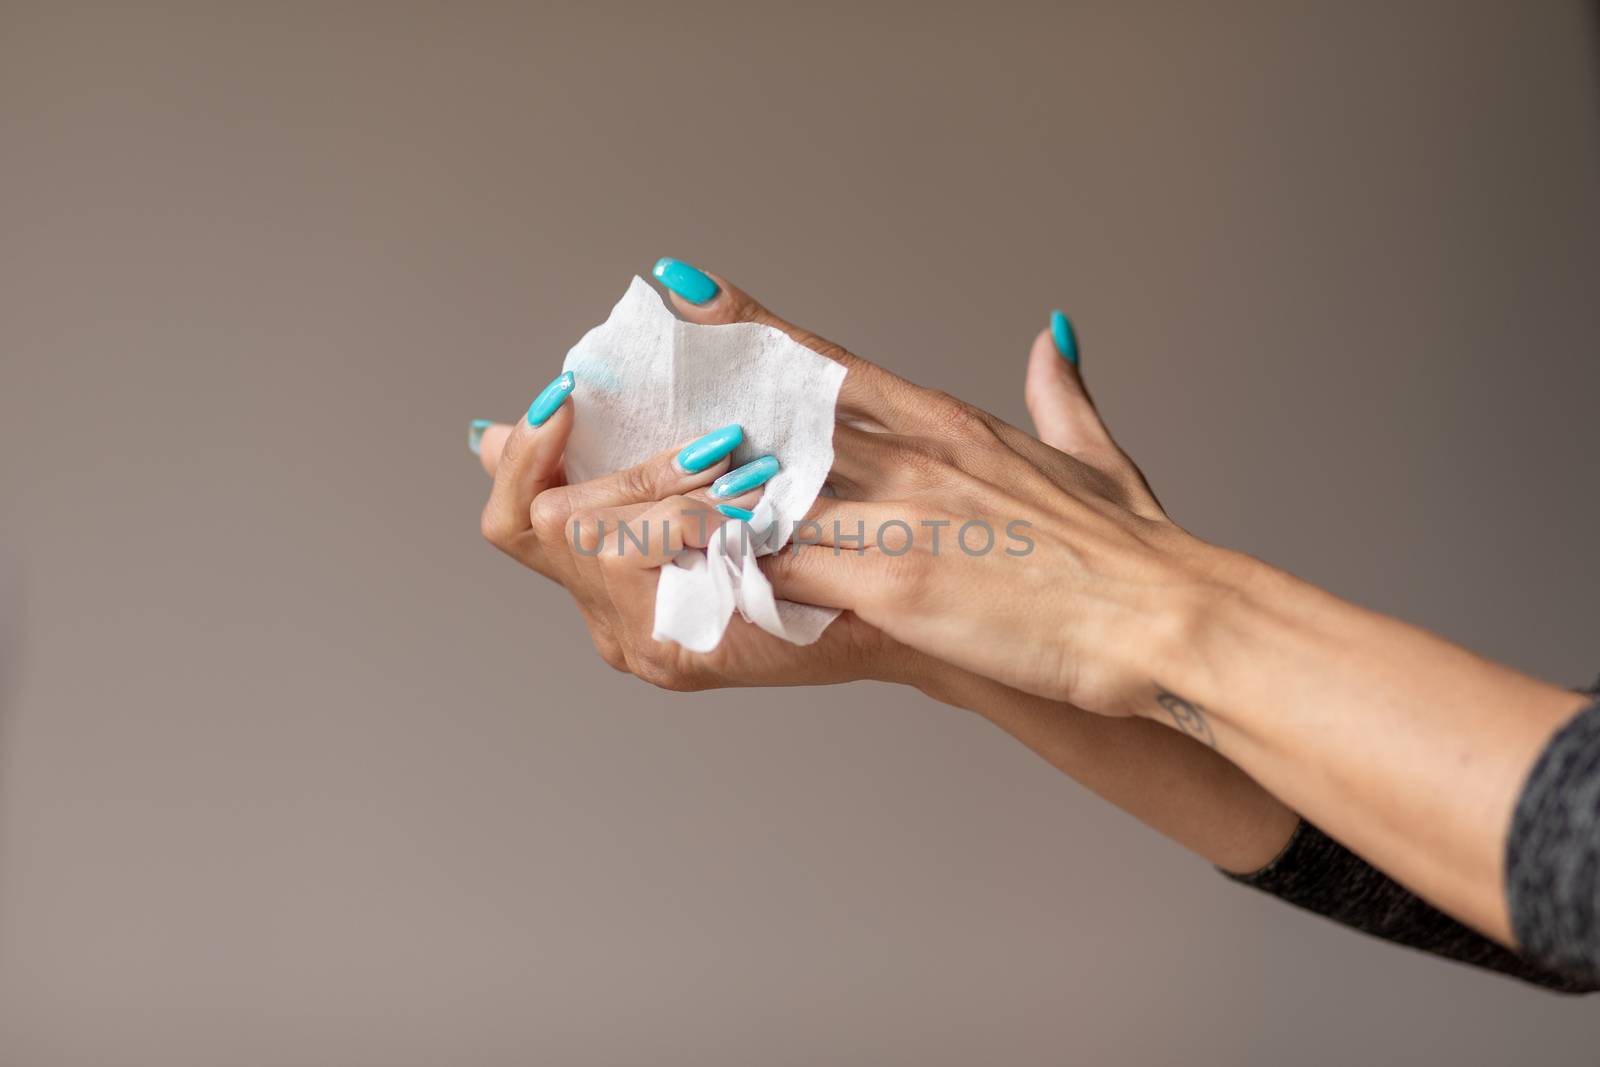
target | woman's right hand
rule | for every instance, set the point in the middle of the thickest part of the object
(552, 527)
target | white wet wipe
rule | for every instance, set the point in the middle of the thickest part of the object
(646, 381)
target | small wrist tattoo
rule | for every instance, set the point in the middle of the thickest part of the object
(1187, 716)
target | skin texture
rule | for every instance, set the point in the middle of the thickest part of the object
(1180, 788)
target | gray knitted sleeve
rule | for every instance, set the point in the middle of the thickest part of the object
(1553, 853)
(1552, 877)
(1318, 874)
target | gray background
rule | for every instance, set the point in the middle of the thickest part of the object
(296, 770)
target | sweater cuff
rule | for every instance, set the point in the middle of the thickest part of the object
(1553, 852)
(1316, 873)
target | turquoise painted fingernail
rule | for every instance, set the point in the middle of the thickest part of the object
(1066, 340)
(699, 454)
(745, 478)
(475, 434)
(688, 282)
(736, 513)
(545, 404)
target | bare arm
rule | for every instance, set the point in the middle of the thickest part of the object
(1090, 621)
(1409, 749)
(1406, 748)
(1181, 789)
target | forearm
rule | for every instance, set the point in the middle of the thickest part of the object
(1177, 787)
(1405, 747)
(1192, 795)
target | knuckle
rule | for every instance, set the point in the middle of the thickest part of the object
(824, 347)
(656, 666)
(922, 459)
(692, 676)
(959, 419)
(818, 344)
(548, 516)
(495, 527)
(742, 307)
(641, 482)
(797, 562)
(783, 564)
(676, 682)
(905, 579)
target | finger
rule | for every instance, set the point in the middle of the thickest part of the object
(817, 576)
(739, 488)
(860, 463)
(854, 525)
(487, 440)
(874, 465)
(890, 532)
(732, 507)
(659, 529)
(869, 392)
(1067, 419)
(657, 532)
(529, 461)
(674, 471)
(1063, 414)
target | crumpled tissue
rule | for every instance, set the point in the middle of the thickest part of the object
(647, 381)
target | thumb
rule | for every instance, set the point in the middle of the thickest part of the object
(1063, 414)
(1067, 419)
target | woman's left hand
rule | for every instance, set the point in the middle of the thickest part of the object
(571, 534)
(1054, 572)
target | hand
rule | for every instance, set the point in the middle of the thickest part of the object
(1051, 569)
(571, 534)
(532, 512)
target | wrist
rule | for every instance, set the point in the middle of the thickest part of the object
(883, 659)
(1236, 637)
(944, 683)
(1171, 661)
(936, 680)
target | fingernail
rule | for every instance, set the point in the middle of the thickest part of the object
(1066, 340)
(688, 282)
(545, 404)
(745, 478)
(736, 513)
(699, 454)
(475, 434)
